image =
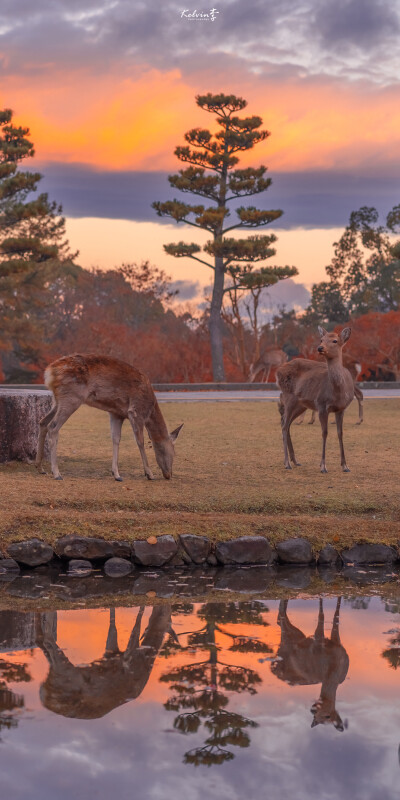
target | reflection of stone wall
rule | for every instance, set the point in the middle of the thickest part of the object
(17, 631)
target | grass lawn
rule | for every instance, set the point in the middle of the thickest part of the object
(229, 480)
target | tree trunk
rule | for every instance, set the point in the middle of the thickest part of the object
(217, 352)
(20, 413)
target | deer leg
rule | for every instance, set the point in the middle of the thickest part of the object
(293, 410)
(137, 428)
(291, 450)
(339, 425)
(323, 418)
(319, 631)
(360, 397)
(62, 414)
(335, 637)
(283, 604)
(312, 420)
(112, 636)
(285, 447)
(115, 426)
(296, 411)
(134, 639)
(43, 428)
(301, 418)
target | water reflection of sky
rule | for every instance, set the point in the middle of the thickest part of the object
(134, 750)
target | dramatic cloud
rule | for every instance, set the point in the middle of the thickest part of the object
(111, 84)
(188, 290)
(302, 34)
(285, 294)
(308, 199)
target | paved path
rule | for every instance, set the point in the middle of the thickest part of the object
(259, 396)
(220, 396)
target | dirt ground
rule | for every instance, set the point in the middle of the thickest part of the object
(228, 480)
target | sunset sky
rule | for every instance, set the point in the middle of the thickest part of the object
(108, 90)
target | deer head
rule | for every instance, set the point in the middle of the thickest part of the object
(332, 343)
(164, 452)
(325, 714)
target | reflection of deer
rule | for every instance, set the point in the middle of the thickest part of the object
(94, 690)
(307, 660)
(354, 368)
(272, 358)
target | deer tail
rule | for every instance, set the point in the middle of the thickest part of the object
(49, 378)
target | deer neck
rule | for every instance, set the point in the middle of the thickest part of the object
(156, 426)
(335, 371)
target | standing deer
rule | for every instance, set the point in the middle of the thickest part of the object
(307, 660)
(354, 368)
(321, 387)
(270, 359)
(110, 385)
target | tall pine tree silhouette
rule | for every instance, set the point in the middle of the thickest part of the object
(215, 153)
(34, 252)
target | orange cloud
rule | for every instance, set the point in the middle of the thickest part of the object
(135, 123)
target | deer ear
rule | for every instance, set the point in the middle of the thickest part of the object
(174, 435)
(322, 331)
(345, 335)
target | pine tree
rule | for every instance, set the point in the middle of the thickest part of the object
(364, 274)
(209, 153)
(34, 253)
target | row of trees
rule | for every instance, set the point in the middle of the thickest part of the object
(364, 274)
(49, 305)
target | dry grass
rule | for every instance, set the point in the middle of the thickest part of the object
(228, 480)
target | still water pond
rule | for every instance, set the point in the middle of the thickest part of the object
(289, 699)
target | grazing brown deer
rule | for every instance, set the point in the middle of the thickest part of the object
(270, 359)
(307, 660)
(110, 385)
(322, 387)
(354, 368)
(93, 690)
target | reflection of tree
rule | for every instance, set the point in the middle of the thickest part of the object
(14, 673)
(198, 688)
(392, 605)
(358, 603)
(392, 653)
(171, 644)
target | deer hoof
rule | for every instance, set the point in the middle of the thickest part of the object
(58, 477)
(119, 479)
(345, 469)
(287, 466)
(324, 470)
(149, 476)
